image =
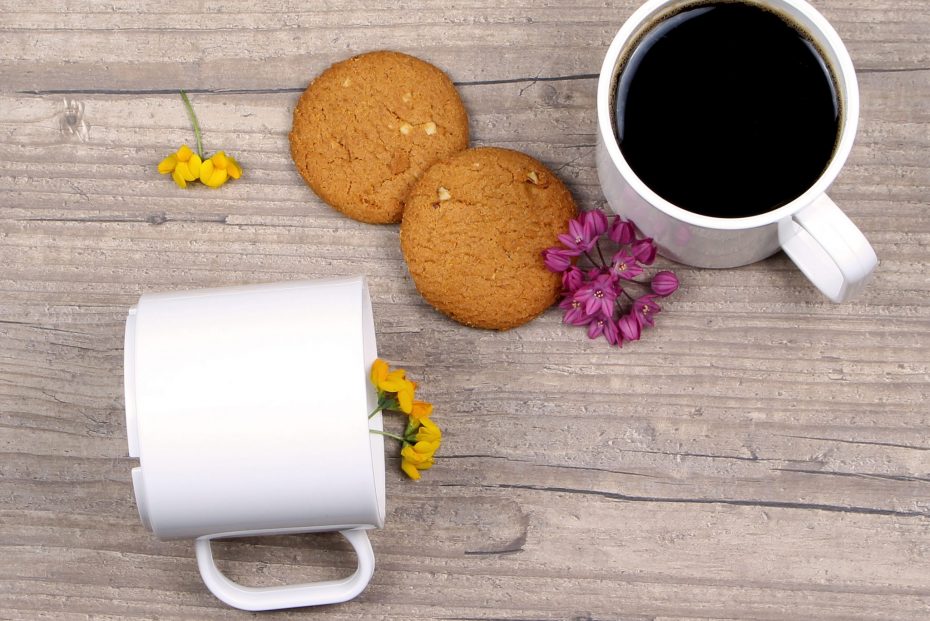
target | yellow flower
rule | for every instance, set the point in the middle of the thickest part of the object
(184, 165)
(218, 169)
(420, 453)
(421, 410)
(405, 397)
(387, 381)
(428, 431)
(417, 457)
(379, 371)
(410, 470)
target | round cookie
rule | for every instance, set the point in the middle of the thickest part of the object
(473, 232)
(369, 126)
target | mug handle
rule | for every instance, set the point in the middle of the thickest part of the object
(828, 248)
(292, 595)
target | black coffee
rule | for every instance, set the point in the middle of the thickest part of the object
(727, 110)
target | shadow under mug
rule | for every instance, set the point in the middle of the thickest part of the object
(821, 240)
(248, 410)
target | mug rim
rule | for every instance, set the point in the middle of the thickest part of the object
(824, 34)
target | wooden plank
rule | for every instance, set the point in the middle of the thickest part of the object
(760, 454)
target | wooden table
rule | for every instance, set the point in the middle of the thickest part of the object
(761, 454)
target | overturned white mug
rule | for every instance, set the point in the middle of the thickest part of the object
(248, 409)
(828, 248)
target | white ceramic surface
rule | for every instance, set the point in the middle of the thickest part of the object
(812, 230)
(248, 409)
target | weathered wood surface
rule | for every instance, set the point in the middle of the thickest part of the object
(761, 454)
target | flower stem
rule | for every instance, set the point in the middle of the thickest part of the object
(190, 113)
(385, 433)
(601, 254)
(375, 411)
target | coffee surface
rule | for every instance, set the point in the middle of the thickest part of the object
(727, 110)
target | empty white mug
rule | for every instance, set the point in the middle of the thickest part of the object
(248, 410)
(828, 248)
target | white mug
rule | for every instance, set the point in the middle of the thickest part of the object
(813, 232)
(248, 410)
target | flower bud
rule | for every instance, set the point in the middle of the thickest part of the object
(664, 283)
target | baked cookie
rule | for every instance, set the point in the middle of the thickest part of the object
(473, 232)
(369, 126)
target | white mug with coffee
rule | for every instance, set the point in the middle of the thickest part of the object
(720, 127)
(248, 410)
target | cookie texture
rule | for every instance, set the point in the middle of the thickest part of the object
(369, 126)
(473, 232)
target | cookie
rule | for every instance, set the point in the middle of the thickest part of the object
(368, 127)
(473, 232)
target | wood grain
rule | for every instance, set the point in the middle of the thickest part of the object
(761, 454)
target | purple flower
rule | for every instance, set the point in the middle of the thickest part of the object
(629, 327)
(612, 333)
(621, 231)
(645, 309)
(644, 250)
(580, 237)
(597, 327)
(597, 220)
(598, 296)
(574, 312)
(557, 259)
(625, 266)
(572, 279)
(664, 283)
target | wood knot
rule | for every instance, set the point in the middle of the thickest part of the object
(71, 121)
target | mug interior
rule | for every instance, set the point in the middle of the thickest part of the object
(799, 12)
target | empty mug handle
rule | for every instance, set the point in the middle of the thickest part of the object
(828, 248)
(293, 595)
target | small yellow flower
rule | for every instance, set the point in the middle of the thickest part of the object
(417, 457)
(405, 397)
(420, 453)
(410, 470)
(422, 437)
(387, 381)
(184, 165)
(379, 371)
(218, 169)
(428, 431)
(421, 410)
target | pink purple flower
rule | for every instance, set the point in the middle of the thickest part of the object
(597, 220)
(644, 250)
(621, 231)
(629, 327)
(591, 289)
(597, 327)
(598, 296)
(664, 283)
(572, 279)
(574, 312)
(645, 309)
(624, 265)
(580, 237)
(557, 259)
(612, 333)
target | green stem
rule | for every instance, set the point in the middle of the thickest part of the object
(190, 113)
(412, 426)
(385, 433)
